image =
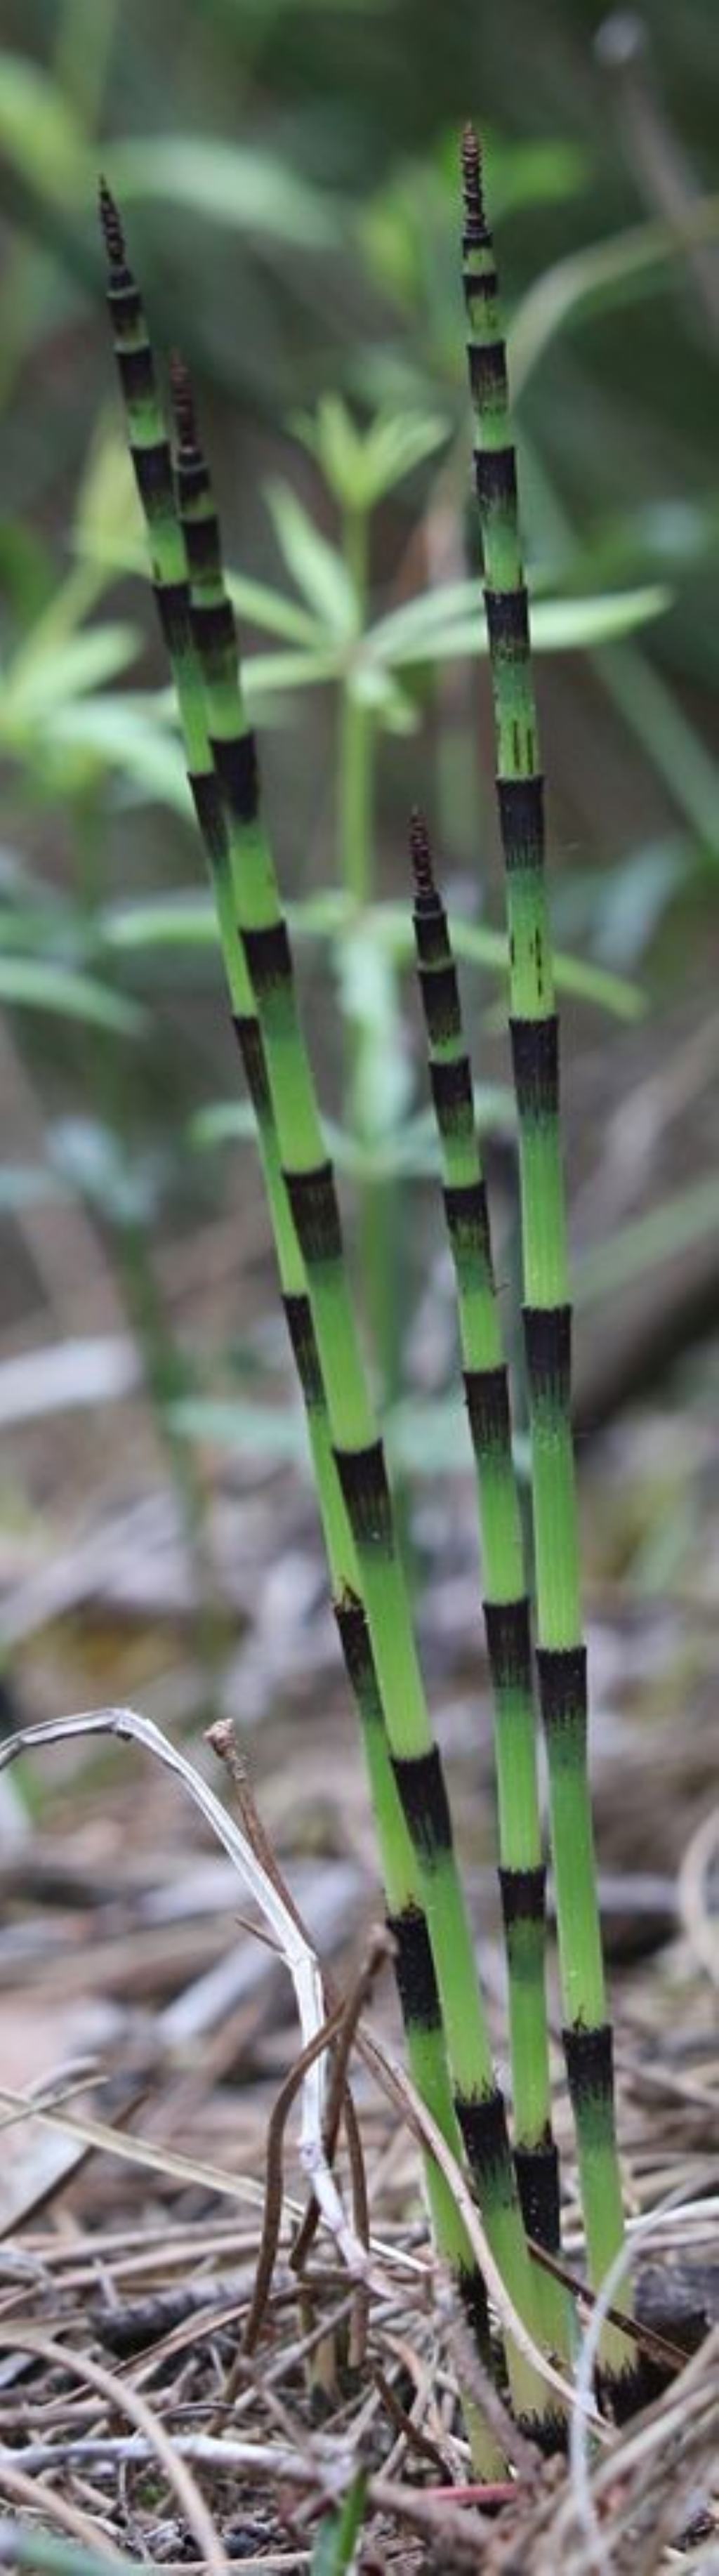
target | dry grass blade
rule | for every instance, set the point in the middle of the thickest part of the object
(584, 2493)
(273, 2187)
(126, 2401)
(300, 1959)
(69, 2517)
(98, 2135)
(700, 1917)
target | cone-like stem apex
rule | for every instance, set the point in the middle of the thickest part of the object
(475, 220)
(112, 231)
(421, 857)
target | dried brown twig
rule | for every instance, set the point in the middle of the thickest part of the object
(300, 1959)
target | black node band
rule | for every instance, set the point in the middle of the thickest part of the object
(484, 2130)
(537, 2171)
(137, 373)
(213, 627)
(301, 1331)
(562, 1674)
(202, 547)
(153, 476)
(495, 474)
(249, 1040)
(509, 1643)
(487, 1397)
(440, 1003)
(172, 601)
(488, 374)
(192, 478)
(480, 281)
(548, 1349)
(414, 1970)
(209, 808)
(474, 2302)
(313, 1200)
(236, 765)
(521, 816)
(425, 1807)
(522, 1894)
(452, 1094)
(589, 2059)
(124, 302)
(363, 1478)
(508, 623)
(268, 957)
(535, 1061)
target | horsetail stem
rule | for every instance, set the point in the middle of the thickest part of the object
(416, 1980)
(561, 1655)
(506, 1606)
(358, 1452)
(359, 1458)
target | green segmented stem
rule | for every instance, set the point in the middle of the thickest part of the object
(358, 1453)
(505, 1605)
(415, 1973)
(547, 1311)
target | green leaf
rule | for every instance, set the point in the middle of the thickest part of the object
(270, 609)
(419, 617)
(558, 626)
(603, 270)
(394, 446)
(252, 191)
(315, 565)
(45, 677)
(39, 133)
(125, 734)
(43, 2554)
(268, 674)
(189, 920)
(37, 985)
(108, 520)
(334, 2549)
(482, 947)
(680, 1221)
(360, 465)
(221, 1122)
(381, 1080)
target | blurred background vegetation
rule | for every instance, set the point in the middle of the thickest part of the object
(288, 177)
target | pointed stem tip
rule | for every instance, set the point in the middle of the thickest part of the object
(421, 855)
(475, 221)
(112, 231)
(183, 405)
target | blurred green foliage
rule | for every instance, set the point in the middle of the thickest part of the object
(288, 172)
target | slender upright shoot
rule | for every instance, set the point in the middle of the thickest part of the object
(506, 1605)
(358, 1451)
(561, 1654)
(185, 549)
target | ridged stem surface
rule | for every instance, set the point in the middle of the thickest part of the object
(561, 1656)
(506, 1607)
(308, 1179)
(185, 543)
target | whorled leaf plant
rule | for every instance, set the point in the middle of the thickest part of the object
(443, 2009)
